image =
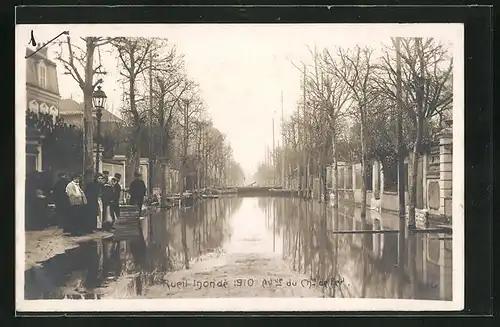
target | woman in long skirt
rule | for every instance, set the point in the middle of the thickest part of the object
(78, 201)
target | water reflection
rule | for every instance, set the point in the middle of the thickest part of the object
(372, 265)
(168, 240)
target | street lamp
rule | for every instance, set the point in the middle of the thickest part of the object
(98, 100)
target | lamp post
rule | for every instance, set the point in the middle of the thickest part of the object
(98, 99)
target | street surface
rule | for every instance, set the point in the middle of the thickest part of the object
(247, 247)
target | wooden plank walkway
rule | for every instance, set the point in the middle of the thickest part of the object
(128, 224)
(416, 230)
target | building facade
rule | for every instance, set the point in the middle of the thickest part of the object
(42, 95)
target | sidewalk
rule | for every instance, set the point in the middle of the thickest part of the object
(47, 243)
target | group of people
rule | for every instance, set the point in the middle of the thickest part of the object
(95, 207)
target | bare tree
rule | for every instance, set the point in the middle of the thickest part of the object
(133, 56)
(427, 71)
(213, 142)
(191, 107)
(79, 59)
(136, 55)
(331, 95)
(356, 70)
(168, 92)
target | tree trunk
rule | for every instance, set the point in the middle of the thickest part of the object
(205, 175)
(414, 174)
(163, 163)
(88, 142)
(88, 157)
(321, 178)
(134, 155)
(163, 184)
(335, 174)
(299, 179)
(308, 177)
(325, 184)
(363, 170)
(412, 190)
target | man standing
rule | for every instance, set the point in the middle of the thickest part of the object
(106, 176)
(94, 212)
(61, 200)
(108, 198)
(118, 192)
(77, 201)
(137, 191)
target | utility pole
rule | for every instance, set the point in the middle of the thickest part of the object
(298, 160)
(283, 178)
(150, 164)
(266, 166)
(273, 154)
(401, 159)
(305, 156)
(198, 177)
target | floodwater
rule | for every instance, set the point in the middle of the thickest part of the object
(306, 236)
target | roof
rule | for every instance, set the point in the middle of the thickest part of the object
(41, 53)
(32, 62)
(70, 106)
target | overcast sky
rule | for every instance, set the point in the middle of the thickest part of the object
(241, 69)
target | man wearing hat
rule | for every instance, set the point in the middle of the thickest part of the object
(106, 176)
(117, 191)
(137, 191)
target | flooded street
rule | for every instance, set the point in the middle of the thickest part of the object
(250, 247)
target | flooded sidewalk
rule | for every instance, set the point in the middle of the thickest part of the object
(41, 245)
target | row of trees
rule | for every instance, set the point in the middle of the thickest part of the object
(164, 114)
(359, 106)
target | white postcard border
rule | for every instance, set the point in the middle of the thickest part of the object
(453, 31)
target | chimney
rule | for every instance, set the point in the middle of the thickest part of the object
(43, 51)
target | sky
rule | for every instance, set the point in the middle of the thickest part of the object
(241, 69)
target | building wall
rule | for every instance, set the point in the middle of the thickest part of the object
(42, 96)
(434, 182)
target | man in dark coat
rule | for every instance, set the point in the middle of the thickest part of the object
(118, 193)
(61, 200)
(137, 191)
(106, 176)
(108, 197)
(93, 192)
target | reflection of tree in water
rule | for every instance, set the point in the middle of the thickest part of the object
(315, 251)
(175, 238)
(94, 273)
(184, 243)
(192, 232)
(101, 262)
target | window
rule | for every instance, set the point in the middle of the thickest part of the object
(42, 74)
(33, 106)
(44, 108)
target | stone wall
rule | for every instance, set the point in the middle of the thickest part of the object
(434, 191)
(445, 172)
